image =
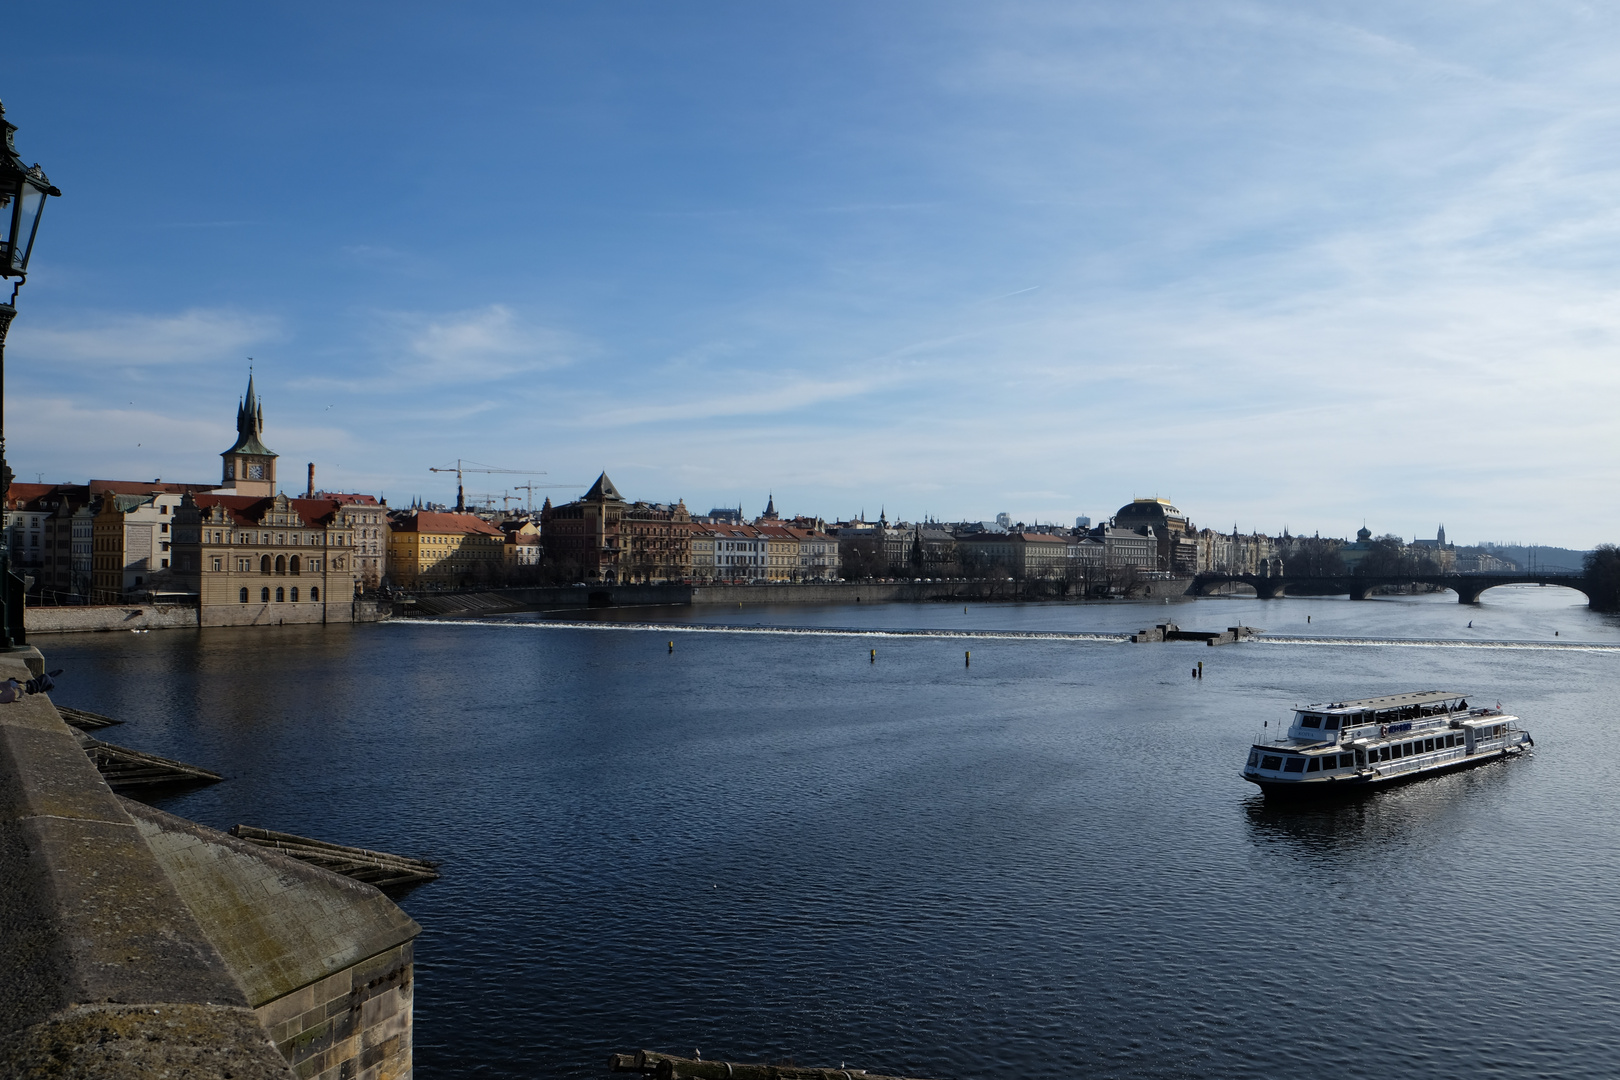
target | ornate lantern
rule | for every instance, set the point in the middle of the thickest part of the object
(22, 201)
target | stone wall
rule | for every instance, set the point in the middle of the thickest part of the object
(356, 1023)
(72, 620)
(106, 972)
(134, 943)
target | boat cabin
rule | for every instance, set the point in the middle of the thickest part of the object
(1386, 714)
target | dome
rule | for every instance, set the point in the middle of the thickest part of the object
(1155, 512)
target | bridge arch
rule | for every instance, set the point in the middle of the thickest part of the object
(1576, 585)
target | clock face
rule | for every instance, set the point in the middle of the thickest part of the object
(255, 472)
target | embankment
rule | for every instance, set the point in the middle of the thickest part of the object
(77, 620)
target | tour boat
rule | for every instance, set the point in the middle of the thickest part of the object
(1351, 746)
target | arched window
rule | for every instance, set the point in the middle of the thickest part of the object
(292, 567)
(281, 564)
(281, 594)
(264, 596)
(264, 565)
(314, 594)
(244, 595)
(295, 594)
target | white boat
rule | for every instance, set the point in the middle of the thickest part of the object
(1349, 746)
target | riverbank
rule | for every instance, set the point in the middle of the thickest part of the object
(102, 618)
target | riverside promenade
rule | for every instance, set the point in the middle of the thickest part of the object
(134, 943)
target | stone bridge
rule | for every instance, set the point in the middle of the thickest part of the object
(1467, 586)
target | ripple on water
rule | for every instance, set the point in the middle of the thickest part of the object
(766, 847)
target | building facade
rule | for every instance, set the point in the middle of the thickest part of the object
(132, 550)
(604, 537)
(1018, 555)
(255, 561)
(367, 516)
(444, 550)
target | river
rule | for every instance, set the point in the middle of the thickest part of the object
(768, 846)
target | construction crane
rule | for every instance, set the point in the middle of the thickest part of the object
(466, 467)
(532, 488)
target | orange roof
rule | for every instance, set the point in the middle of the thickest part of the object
(428, 521)
(250, 509)
(20, 494)
(348, 498)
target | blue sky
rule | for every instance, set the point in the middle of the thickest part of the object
(1288, 265)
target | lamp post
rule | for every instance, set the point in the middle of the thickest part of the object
(22, 201)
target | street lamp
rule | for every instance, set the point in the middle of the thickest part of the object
(22, 202)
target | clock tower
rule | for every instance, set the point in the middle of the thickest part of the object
(250, 466)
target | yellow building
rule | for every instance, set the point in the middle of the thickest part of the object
(781, 552)
(455, 550)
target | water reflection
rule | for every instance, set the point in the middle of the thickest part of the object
(1347, 825)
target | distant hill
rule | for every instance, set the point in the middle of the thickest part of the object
(1546, 558)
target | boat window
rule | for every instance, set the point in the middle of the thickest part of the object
(1395, 750)
(1310, 721)
(1294, 764)
(1332, 723)
(1451, 740)
(1346, 760)
(1270, 761)
(1383, 753)
(1314, 765)
(1428, 745)
(1413, 748)
(1254, 758)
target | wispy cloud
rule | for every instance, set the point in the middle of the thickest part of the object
(195, 336)
(485, 345)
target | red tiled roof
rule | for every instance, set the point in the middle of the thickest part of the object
(428, 521)
(249, 509)
(20, 495)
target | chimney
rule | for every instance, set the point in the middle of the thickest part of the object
(310, 494)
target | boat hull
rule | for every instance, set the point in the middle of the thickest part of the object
(1371, 779)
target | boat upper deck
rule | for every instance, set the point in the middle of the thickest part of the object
(1387, 703)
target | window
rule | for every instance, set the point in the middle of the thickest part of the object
(1451, 740)
(264, 565)
(1383, 753)
(1428, 745)
(264, 596)
(1294, 764)
(1331, 723)
(314, 594)
(1310, 721)
(281, 594)
(1314, 765)
(281, 564)
(163, 527)
(244, 595)
(295, 594)
(165, 564)
(217, 563)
